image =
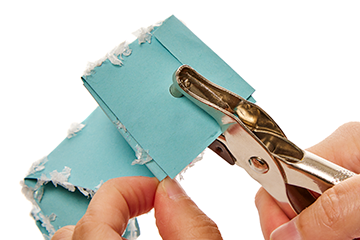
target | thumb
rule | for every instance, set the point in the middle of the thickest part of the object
(334, 215)
(64, 233)
(178, 217)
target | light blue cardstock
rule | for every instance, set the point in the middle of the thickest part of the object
(173, 130)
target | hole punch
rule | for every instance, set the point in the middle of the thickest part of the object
(175, 92)
(252, 140)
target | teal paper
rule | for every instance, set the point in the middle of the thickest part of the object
(97, 153)
(173, 130)
(69, 207)
(152, 166)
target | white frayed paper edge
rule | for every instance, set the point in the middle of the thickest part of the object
(37, 166)
(144, 34)
(142, 156)
(87, 192)
(36, 193)
(98, 186)
(74, 128)
(119, 126)
(45, 221)
(115, 56)
(197, 159)
(28, 192)
(59, 178)
(36, 211)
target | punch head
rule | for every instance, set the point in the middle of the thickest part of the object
(175, 92)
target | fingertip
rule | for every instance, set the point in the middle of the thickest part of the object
(259, 198)
(270, 214)
(286, 231)
(172, 189)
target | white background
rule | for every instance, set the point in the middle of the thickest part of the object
(302, 58)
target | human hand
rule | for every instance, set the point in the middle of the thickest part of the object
(118, 200)
(336, 213)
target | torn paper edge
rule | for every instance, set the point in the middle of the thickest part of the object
(115, 56)
(145, 34)
(142, 155)
(87, 192)
(45, 221)
(58, 178)
(36, 193)
(180, 175)
(120, 126)
(74, 128)
(38, 166)
(36, 212)
(98, 186)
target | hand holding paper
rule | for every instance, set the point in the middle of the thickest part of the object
(132, 196)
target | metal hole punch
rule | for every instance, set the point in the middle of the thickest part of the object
(252, 140)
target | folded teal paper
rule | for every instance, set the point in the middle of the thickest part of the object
(173, 130)
(95, 154)
(136, 99)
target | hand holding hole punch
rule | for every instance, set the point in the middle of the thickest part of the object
(253, 141)
(293, 178)
(336, 213)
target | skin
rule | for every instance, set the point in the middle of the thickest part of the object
(120, 199)
(335, 215)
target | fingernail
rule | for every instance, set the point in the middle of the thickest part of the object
(173, 189)
(286, 231)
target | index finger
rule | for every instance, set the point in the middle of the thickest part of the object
(342, 147)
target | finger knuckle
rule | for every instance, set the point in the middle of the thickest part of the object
(204, 227)
(331, 212)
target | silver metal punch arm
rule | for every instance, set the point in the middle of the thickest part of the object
(252, 140)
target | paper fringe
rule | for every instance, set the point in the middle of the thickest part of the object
(197, 159)
(74, 128)
(115, 56)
